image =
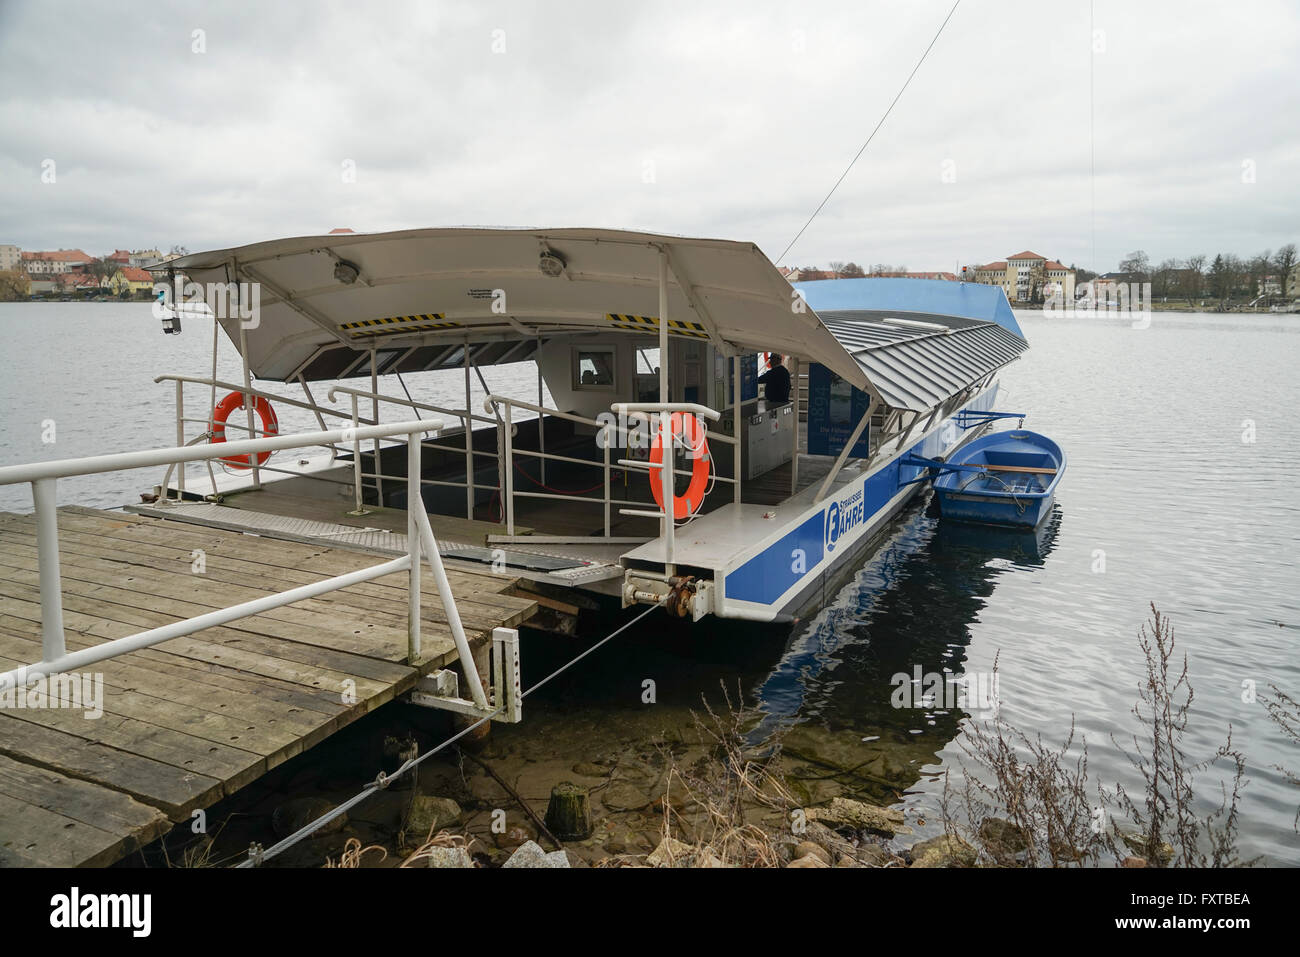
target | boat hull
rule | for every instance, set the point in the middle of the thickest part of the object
(1004, 478)
(985, 510)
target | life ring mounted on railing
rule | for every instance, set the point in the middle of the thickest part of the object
(689, 427)
(270, 426)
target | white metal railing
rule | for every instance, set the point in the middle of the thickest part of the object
(467, 420)
(360, 473)
(44, 476)
(208, 423)
(608, 430)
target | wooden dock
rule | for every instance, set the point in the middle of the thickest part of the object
(194, 719)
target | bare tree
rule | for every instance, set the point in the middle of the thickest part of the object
(1285, 259)
(1193, 276)
(852, 271)
(1137, 266)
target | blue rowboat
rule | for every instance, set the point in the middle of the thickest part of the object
(1004, 478)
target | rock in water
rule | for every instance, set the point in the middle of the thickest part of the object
(943, 851)
(568, 815)
(292, 816)
(844, 813)
(670, 853)
(531, 854)
(428, 815)
(449, 857)
(807, 848)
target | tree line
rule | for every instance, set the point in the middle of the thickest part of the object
(1226, 276)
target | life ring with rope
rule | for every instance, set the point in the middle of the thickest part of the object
(697, 443)
(270, 426)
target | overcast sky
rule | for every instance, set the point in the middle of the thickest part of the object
(726, 120)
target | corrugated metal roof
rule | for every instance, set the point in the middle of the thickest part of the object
(916, 368)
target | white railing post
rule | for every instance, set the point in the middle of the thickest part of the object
(180, 437)
(607, 492)
(356, 460)
(449, 605)
(413, 500)
(509, 485)
(45, 498)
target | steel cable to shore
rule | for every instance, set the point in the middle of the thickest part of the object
(383, 780)
(898, 96)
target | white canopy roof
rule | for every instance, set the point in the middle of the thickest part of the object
(431, 287)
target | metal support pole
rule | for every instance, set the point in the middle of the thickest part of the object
(356, 461)
(248, 398)
(469, 443)
(414, 501)
(45, 498)
(374, 415)
(607, 496)
(320, 419)
(508, 489)
(541, 419)
(848, 447)
(739, 419)
(665, 418)
(449, 605)
(180, 436)
(794, 453)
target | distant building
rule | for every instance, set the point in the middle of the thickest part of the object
(950, 277)
(1293, 282)
(1028, 277)
(143, 258)
(131, 280)
(10, 257)
(55, 261)
(1269, 286)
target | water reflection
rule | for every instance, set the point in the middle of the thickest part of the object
(907, 610)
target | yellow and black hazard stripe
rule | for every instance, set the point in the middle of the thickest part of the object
(650, 324)
(392, 324)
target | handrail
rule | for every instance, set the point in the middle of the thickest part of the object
(310, 407)
(624, 409)
(44, 477)
(367, 394)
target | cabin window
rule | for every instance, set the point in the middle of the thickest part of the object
(594, 369)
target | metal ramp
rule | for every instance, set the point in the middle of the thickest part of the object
(534, 563)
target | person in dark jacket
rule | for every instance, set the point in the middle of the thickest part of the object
(776, 382)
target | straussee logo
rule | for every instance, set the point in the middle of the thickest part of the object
(843, 515)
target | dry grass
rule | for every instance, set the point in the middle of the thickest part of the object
(353, 854)
(443, 839)
(726, 806)
(1026, 804)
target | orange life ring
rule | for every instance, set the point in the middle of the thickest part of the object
(689, 428)
(270, 426)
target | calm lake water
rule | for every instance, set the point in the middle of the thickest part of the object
(1183, 446)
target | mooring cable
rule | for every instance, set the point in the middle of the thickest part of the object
(383, 780)
(858, 155)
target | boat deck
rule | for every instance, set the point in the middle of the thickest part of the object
(195, 719)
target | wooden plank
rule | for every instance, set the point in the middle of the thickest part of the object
(176, 791)
(128, 674)
(80, 824)
(232, 766)
(327, 560)
(1009, 468)
(189, 598)
(245, 650)
(477, 612)
(31, 836)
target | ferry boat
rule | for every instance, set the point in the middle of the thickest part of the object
(643, 342)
